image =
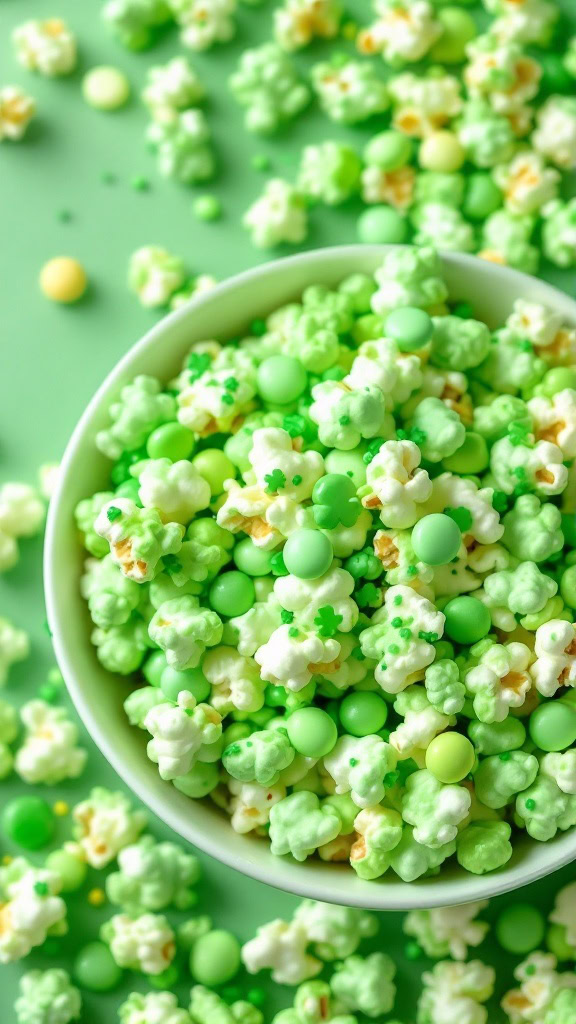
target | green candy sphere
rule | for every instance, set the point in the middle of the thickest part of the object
(467, 620)
(363, 713)
(410, 327)
(552, 725)
(28, 821)
(173, 682)
(215, 467)
(450, 757)
(555, 77)
(557, 944)
(389, 150)
(165, 980)
(232, 593)
(154, 667)
(382, 225)
(471, 457)
(251, 559)
(557, 379)
(347, 463)
(568, 585)
(520, 928)
(170, 441)
(71, 870)
(215, 958)
(281, 379)
(95, 968)
(482, 197)
(312, 732)
(459, 29)
(129, 489)
(308, 554)
(436, 539)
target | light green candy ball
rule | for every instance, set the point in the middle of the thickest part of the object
(96, 969)
(215, 467)
(232, 593)
(450, 757)
(71, 870)
(436, 539)
(215, 958)
(251, 559)
(520, 928)
(312, 732)
(308, 554)
(281, 379)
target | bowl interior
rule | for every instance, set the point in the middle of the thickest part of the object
(224, 313)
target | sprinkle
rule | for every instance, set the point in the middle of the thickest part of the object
(344, 421)
(398, 599)
(64, 216)
(113, 513)
(41, 888)
(207, 208)
(293, 631)
(275, 481)
(96, 897)
(286, 617)
(353, 762)
(396, 622)
(61, 808)
(140, 184)
(530, 805)
(297, 479)
(261, 162)
(412, 951)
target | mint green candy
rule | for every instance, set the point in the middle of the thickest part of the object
(557, 944)
(173, 682)
(520, 928)
(382, 225)
(96, 969)
(312, 732)
(552, 726)
(215, 958)
(232, 593)
(458, 29)
(170, 441)
(450, 757)
(154, 667)
(70, 870)
(389, 151)
(436, 539)
(568, 528)
(251, 559)
(28, 821)
(308, 554)
(349, 463)
(363, 713)
(467, 620)
(281, 379)
(482, 197)
(471, 457)
(557, 379)
(410, 327)
(215, 467)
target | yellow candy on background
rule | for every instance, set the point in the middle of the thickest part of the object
(63, 279)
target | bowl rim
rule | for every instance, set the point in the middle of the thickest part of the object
(279, 872)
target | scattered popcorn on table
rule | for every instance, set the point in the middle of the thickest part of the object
(152, 1008)
(104, 824)
(47, 997)
(456, 990)
(154, 275)
(279, 215)
(267, 83)
(45, 46)
(447, 931)
(349, 91)
(297, 22)
(540, 992)
(17, 109)
(182, 141)
(49, 753)
(14, 647)
(201, 24)
(403, 32)
(31, 908)
(282, 948)
(172, 86)
(145, 943)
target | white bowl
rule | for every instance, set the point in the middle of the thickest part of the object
(224, 312)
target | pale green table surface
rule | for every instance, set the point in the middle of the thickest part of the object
(52, 359)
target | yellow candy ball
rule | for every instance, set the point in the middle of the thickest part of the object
(441, 152)
(63, 280)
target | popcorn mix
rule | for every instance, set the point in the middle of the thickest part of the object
(48, 753)
(382, 526)
(145, 943)
(269, 86)
(17, 109)
(47, 996)
(31, 908)
(14, 647)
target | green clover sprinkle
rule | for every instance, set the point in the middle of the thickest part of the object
(275, 481)
(327, 621)
(198, 363)
(461, 516)
(113, 513)
(335, 502)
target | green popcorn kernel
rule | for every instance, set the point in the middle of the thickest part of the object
(329, 172)
(409, 276)
(344, 417)
(532, 531)
(443, 225)
(444, 689)
(493, 421)
(544, 808)
(506, 238)
(85, 514)
(442, 428)
(364, 565)
(523, 590)
(349, 91)
(299, 825)
(510, 366)
(486, 136)
(411, 860)
(359, 288)
(365, 984)
(313, 1004)
(182, 144)
(259, 758)
(47, 997)
(122, 649)
(497, 737)
(268, 85)
(153, 876)
(141, 407)
(435, 810)
(484, 846)
(562, 1009)
(459, 344)
(439, 187)
(111, 596)
(558, 233)
(314, 341)
(184, 630)
(133, 21)
(380, 830)
(139, 702)
(501, 776)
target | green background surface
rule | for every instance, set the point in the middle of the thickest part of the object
(52, 359)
